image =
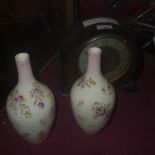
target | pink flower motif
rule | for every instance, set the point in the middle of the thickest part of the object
(110, 88)
(20, 99)
(81, 82)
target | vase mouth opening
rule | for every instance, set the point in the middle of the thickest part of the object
(95, 50)
(21, 56)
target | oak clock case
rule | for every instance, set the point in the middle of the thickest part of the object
(121, 61)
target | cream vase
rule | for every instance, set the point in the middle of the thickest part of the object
(31, 104)
(92, 96)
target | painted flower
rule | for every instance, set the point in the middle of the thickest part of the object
(14, 105)
(86, 81)
(37, 94)
(28, 114)
(110, 88)
(91, 81)
(12, 94)
(82, 81)
(99, 110)
(20, 99)
(40, 105)
(50, 97)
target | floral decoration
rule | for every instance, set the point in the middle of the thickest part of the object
(16, 102)
(37, 94)
(99, 110)
(50, 96)
(86, 82)
(108, 89)
(40, 105)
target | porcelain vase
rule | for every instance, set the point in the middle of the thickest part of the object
(92, 96)
(30, 105)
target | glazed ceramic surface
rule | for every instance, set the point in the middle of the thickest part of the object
(92, 96)
(31, 104)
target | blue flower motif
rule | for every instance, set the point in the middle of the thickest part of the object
(41, 105)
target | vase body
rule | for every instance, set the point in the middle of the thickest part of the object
(31, 104)
(92, 96)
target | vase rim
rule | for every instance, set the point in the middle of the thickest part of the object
(21, 56)
(95, 50)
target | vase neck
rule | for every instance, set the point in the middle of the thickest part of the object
(25, 74)
(94, 58)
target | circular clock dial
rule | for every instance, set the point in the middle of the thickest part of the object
(116, 57)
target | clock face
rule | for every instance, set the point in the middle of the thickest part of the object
(116, 57)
